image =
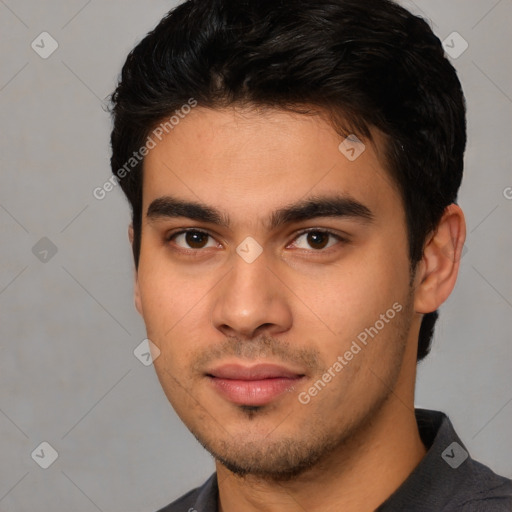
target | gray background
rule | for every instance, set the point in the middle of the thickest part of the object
(68, 374)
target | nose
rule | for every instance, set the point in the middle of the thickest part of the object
(252, 301)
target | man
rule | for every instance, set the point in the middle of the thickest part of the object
(292, 169)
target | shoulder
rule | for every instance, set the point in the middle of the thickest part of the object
(486, 491)
(184, 503)
(448, 478)
(200, 499)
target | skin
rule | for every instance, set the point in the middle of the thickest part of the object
(296, 305)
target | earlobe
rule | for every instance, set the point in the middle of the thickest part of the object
(438, 270)
(136, 288)
(130, 233)
(137, 297)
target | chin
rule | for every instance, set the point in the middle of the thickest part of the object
(278, 459)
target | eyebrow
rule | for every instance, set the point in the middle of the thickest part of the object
(340, 206)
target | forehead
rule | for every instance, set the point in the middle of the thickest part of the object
(247, 162)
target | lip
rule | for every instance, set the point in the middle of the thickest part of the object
(253, 385)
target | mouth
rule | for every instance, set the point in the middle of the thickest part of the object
(253, 385)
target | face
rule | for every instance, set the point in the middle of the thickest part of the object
(274, 280)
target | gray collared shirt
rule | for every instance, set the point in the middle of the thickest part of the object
(447, 479)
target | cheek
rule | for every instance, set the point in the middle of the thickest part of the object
(349, 301)
(176, 310)
(357, 291)
(166, 299)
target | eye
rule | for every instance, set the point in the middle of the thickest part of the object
(316, 239)
(192, 239)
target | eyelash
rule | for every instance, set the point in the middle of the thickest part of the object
(169, 238)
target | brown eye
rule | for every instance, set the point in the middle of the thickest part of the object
(193, 239)
(316, 240)
(196, 239)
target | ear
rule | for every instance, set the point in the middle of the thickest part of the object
(136, 288)
(437, 272)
